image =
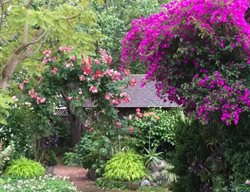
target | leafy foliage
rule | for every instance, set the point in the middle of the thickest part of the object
(42, 184)
(25, 168)
(114, 19)
(156, 128)
(190, 148)
(110, 184)
(125, 166)
(152, 156)
(92, 152)
(5, 102)
(6, 155)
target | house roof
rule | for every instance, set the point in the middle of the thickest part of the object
(141, 97)
(144, 97)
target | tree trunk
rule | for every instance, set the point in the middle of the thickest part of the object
(75, 129)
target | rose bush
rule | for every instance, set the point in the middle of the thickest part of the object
(86, 86)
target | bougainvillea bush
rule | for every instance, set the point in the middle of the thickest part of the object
(198, 52)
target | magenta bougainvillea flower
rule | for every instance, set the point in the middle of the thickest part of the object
(198, 51)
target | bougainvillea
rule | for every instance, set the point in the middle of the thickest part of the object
(198, 52)
(82, 84)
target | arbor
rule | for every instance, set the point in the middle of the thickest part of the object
(198, 51)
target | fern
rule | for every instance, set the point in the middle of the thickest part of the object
(25, 168)
(125, 166)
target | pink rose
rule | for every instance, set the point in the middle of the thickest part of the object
(73, 58)
(131, 130)
(54, 70)
(69, 98)
(82, 78)
(21, 86)
(127, 72)
(97, 61)
(133, 82)
(47, 53)
(93, 89)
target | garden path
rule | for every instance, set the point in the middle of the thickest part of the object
(77, 175)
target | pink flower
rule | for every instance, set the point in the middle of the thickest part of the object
(25, 81)
(40, 100)
(97, 74)
(115, 101)
(97, 61)
(69, 98)
(108, 96)
(118, 124)
(54, 70)
(138, 113)
(82, 78)
(73, 58)
(45, 61)
(107, 59)
(109, 72)
(93, 89)
(125, 96)
(87, 71)
(247, 182)
(21, 86)
(127, 99)
(131, 130)
(33, 94)
(91, 129)
(127, 72)
(67, 65)
(47, 53)
(66, 49)
(133, 82)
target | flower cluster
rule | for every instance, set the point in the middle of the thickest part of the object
(34, 95)
(198, 51)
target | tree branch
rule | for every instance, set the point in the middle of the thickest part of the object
(26, 33)
(24, 46)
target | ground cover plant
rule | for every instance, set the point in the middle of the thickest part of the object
(46, 184)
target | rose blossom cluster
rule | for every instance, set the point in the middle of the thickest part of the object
(34, 95)
(202, 63)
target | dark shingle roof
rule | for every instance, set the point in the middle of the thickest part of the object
(144, 97)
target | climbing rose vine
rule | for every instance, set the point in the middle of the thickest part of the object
(198, 52)
(88, 87)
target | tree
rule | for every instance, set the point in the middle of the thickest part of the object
(26, 28)
(114, 20)
(199, 53)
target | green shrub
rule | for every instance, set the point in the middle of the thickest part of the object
(125, 166)
(110, 184)
(44, 184)
(25, 168)
(92, 152)
(5, 156)
(190, 148)
(156, 129)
